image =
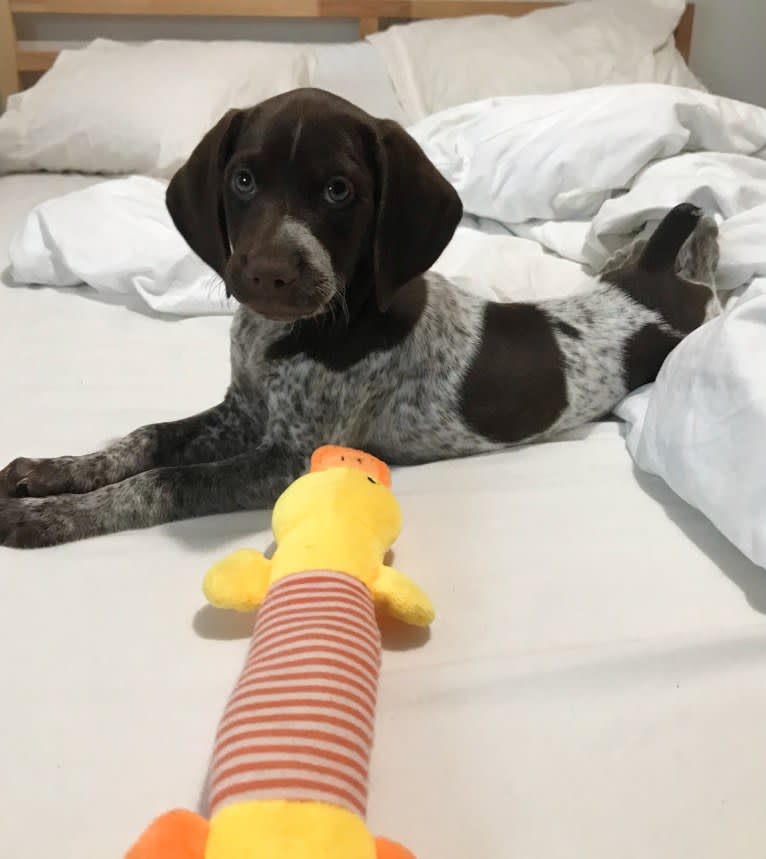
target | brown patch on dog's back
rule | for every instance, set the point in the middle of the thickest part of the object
(515, 388)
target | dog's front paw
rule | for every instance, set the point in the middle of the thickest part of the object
(36, 478)
(31, 523)
(13, 474)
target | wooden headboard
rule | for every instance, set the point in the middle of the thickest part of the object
(371, 15)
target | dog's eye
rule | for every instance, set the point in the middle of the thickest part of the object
(338, 191)
(243, 183)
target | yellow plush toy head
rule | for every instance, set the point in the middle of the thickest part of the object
(342, 516)
(347, 495)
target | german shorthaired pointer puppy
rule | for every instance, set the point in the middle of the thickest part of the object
(323, 223)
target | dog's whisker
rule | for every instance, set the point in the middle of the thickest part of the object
(214, 285)
(344, 307)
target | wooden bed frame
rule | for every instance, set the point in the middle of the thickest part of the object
(371, 15)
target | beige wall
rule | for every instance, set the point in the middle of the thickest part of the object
(728, 52)
(729, 48)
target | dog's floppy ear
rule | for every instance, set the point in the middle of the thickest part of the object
(195, 194)
(418, 211)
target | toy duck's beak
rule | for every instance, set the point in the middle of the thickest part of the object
(175, 835)
(391, 850)
(332, 456)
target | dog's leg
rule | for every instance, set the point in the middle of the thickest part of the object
(219, 433)
(664, 245)
(696, 259)
(248, 481)
(685, 239)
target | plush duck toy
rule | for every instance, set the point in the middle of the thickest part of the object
(290, 764)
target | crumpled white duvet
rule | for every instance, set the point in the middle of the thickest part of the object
(702, 425)
(550, 184)
(116, 237)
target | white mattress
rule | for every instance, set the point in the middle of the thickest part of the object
(595, 684)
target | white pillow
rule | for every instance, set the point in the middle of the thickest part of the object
(120, 108)
(356, 72)
(443, 63)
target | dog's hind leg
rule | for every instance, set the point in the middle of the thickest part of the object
(686, 239)
(664, 245)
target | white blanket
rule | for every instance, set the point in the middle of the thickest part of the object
(576, 174)
(702, 425)
(116, 237)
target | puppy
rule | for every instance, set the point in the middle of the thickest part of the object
(323, 222)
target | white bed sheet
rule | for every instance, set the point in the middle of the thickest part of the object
(595, 684)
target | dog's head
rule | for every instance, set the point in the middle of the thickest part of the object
(305, 199)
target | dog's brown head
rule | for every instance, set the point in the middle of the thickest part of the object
(305, 199)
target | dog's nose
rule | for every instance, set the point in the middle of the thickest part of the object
(271, 273)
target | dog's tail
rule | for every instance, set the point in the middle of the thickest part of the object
(662, 249)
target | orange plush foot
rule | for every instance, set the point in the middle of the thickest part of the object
(391, 850)
(175, 835)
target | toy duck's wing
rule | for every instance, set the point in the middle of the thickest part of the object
(402, 598)
(239, 581)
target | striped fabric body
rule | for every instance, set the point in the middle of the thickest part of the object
(299, 722)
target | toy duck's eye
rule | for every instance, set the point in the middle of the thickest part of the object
(373, 481)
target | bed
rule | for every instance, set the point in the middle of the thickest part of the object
(594, 685)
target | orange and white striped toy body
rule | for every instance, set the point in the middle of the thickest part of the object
(299, 724)
(289, 771)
